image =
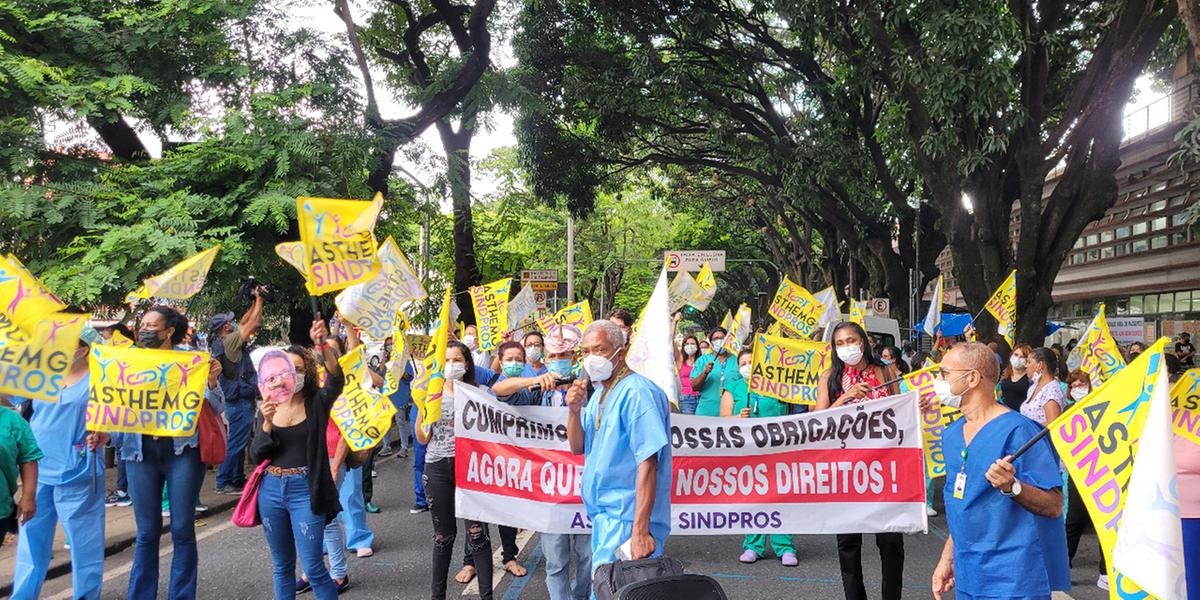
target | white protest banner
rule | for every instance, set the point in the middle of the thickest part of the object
(521, 307)
(844, 470)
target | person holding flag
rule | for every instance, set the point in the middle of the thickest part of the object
(1005, 515)
(228, 343)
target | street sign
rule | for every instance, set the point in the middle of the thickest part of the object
(693, 260)
(542, 280)
(539, 297)
(880, 306)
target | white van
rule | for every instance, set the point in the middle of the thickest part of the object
(886, 330)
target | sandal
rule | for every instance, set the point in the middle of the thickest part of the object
(465, 575)
(515, 569)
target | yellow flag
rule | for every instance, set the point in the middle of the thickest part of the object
(858, 313)
(1185, 405)
(1098, 437)
(1097, 353)
(430, 377)
(374, 303)
(934, 420)
(706, 288)
(400, 354)
(491, 312)
(35, 367)
(578, 315)
(788, 370)
(119, 340)
(774, 329)
(682, 291)
(360, 413)
(339, 243)
(1003, 306)
(181, 281)
(23, 297)
(293, 254)
(796, 308)
(156, 392)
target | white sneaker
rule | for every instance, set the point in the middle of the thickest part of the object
(1102, 582)
(929, 512)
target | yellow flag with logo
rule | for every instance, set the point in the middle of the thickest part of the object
(135, 390)
(1098, 439)
(858, 313)
(491, 312)
(706, 288)
(795, 308)
(181, 281)
(374, 303)
(339, 243)
(360, 413)
(578, 315)
(1097, 353)
(430, 376)
(23, 298)
(934, 420)
(119, 340)
(400, 354)
(1185, 406)
(1003, 306)
(787, 370)
(33, 365)
(293, 254)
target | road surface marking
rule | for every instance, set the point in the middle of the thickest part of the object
(523, 537)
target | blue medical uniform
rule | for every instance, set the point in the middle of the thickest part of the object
(529, 371)
(725, 368)
(70, 489)
(634, 426)
(1001, 550)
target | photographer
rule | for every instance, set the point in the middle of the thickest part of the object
(228, 341)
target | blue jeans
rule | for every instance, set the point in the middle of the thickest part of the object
(418, 463)
(354, 510)
(80, 507)
(240, 414)
(558, 549)
(335, 542)
(183, 475)
(122, 480)
(291, 527)
(688, 403)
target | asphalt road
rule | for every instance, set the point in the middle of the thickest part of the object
(235, 563)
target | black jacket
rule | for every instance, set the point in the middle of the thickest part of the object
(323, 492)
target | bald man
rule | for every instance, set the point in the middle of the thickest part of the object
(1007, 538)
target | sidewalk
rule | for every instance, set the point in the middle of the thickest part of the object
(119, 530)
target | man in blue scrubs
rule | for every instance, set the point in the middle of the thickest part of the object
(1007, 538)
(70, 488)
(624, 435)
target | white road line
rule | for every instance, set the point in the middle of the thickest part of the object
(523, 536)
(110, 574)
(1061, 596)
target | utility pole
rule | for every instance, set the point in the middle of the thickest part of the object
(570, 258)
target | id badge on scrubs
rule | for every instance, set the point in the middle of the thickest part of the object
(960, 485)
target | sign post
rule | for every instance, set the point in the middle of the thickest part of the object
(543, 280)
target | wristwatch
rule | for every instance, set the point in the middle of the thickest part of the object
(1016, 490)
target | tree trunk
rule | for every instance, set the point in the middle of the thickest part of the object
(119, 137)
(457, 146)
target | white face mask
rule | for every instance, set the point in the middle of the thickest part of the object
(941, 388)
(469, 341)
(299, 381)
(689, 349)
(1018, 362)
(455, 371)
(1079, 393)
(599, 368)
(745, 371)
(850, 354)
(534, 353)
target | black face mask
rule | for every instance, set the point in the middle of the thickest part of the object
(148, 339)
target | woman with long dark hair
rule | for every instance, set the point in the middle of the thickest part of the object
(1045, 399)
(857, 375)
(154, 461)
(440, 483)
(298, 495)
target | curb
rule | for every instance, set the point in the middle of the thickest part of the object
(118, 545)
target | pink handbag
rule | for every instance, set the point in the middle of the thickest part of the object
(245, 514)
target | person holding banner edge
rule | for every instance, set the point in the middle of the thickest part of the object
(1005, 516)
(856, 375)
(737, 400)
(154, 461)
(624, 435)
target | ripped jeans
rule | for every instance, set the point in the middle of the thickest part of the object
(439, 491)
(291, 528)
